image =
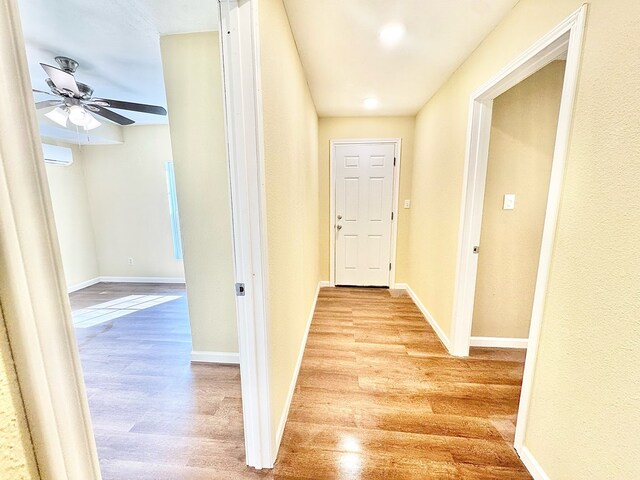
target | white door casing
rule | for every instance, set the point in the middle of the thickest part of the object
(363, 212)
(565, 39)
(240, 53)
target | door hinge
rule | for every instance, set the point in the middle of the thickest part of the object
(394, 161)
(389, 266)
(240, 290)
(391, 215)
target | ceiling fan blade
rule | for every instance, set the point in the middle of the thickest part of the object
(109, 115)
(48, 103)
(35, 90)
(61, 79)
(135, 107)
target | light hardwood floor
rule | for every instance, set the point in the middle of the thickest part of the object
(377, 397)
(155, 415)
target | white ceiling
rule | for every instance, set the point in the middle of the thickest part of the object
(116, 43)
(345, 61)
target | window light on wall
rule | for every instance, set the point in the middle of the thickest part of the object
(173, 211)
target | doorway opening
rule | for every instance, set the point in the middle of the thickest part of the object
(562, 43)
(126, 183)
(523, 131)
(365, 178)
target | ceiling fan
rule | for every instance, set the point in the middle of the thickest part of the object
(76, 103)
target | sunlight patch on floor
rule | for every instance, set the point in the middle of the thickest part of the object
(103, 312)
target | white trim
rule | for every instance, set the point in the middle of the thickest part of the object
(427, 315)
(324, 283)
(142, 279)
(243, 122)
(477, 151)
(560, 39)
(215, 357)
(294, 379)
(94, 281)
(535, 469)
(33, 293)
(499, 342)
(395, 202)
(79, 286)
(572, 71)
(567, 36)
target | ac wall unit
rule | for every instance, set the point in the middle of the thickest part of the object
(55, 155)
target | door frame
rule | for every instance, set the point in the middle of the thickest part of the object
(240, 55)
(397, 142)
(35, 303)
(33, 292)
(566, 37)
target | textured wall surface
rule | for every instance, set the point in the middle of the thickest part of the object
(333, 128)
(127, 189)
(72, 212)
(585, 416)
(17, 461)
(196, 117)
(291, 176)
(441, 129)
(523, 135)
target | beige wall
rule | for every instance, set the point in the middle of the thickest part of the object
(127, 190)
(584, 416)
(291, 175)
(441, 128)
(73, 219)
(332, 128)
(523, 134)
(17, 460)
(193, 81)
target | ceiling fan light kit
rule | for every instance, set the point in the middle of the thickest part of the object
(59, 116)
(75, 114)
(76, 103)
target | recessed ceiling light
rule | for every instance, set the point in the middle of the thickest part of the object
(391, 34)
(370, 103)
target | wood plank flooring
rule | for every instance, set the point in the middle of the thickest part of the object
(377, 397)
(155, 415)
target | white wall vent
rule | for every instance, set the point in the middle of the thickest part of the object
(55, 155)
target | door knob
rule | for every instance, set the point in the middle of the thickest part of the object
(339, 217)
(338, 227)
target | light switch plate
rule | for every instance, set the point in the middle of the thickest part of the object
(407, 203)
(509, 202)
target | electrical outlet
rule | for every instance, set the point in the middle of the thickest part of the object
(407, 203)
(130, 260)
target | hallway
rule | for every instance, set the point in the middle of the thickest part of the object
(378, 396)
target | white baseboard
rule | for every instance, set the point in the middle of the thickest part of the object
(441, 335)
(535, 469)
(324, 283)
(93, 281)
(142, 279)
(499, 342)
(81, 285)
(294, 380)
(215, 357)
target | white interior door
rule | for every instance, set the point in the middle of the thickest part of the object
(363, 213)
